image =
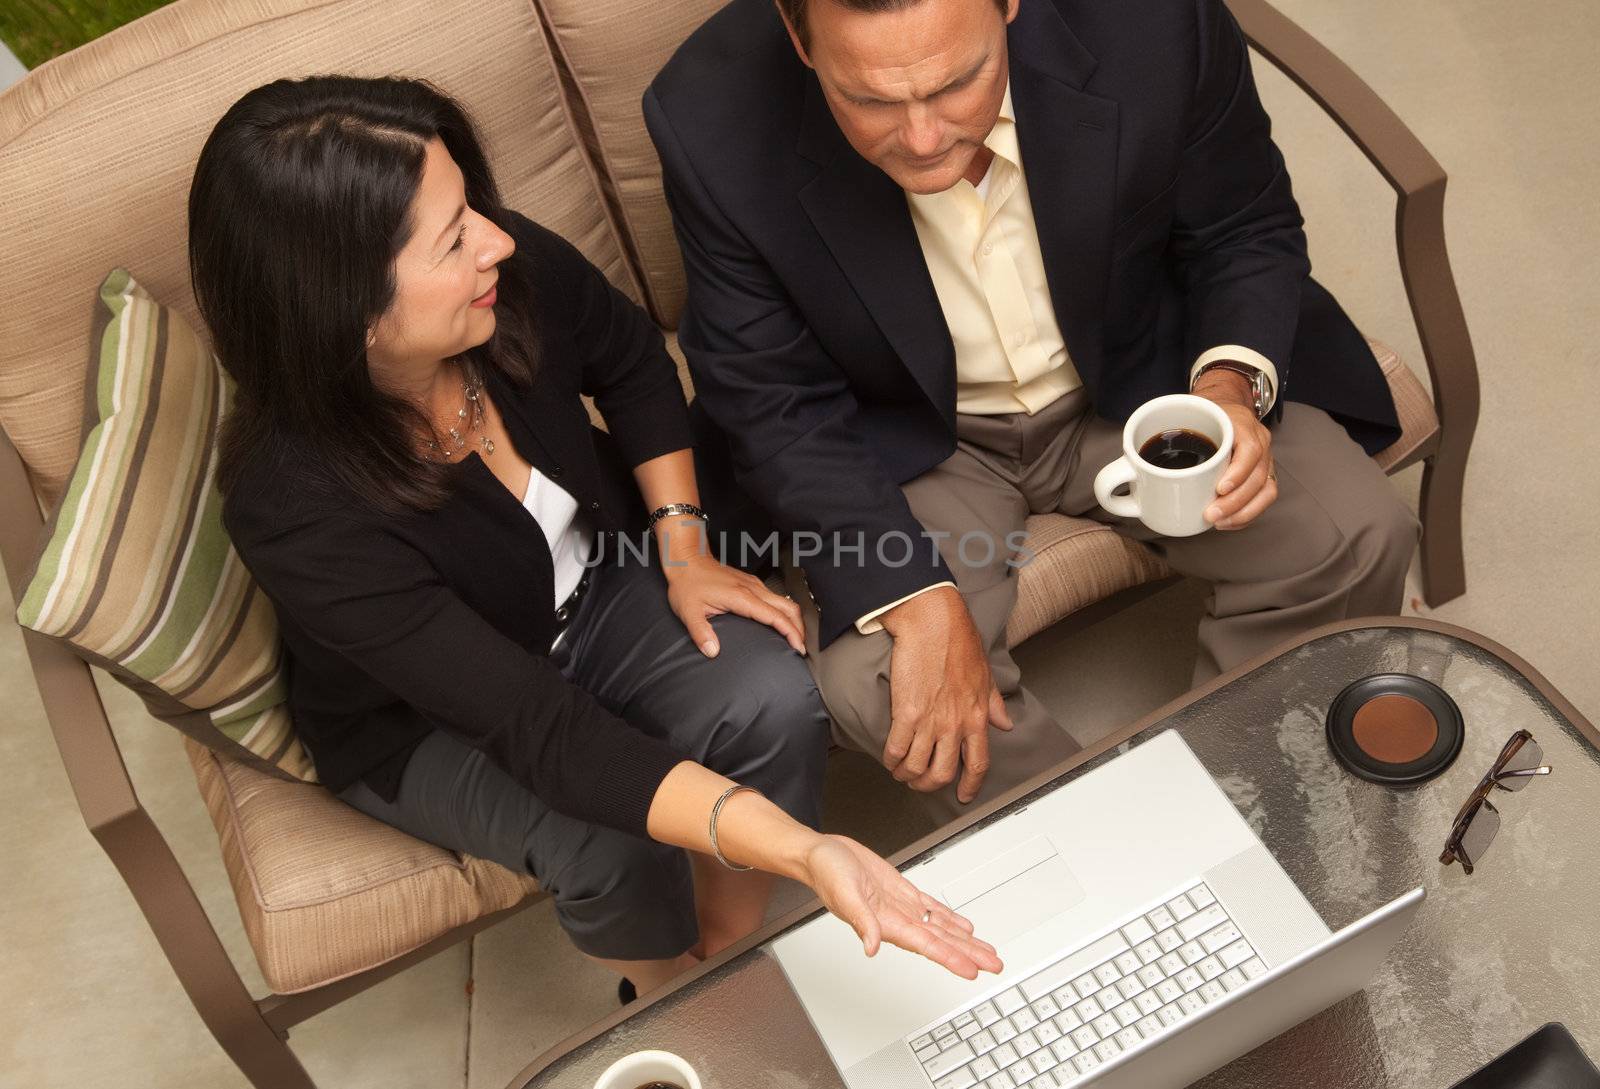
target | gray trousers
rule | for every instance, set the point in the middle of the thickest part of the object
(752, 714)
(1336, 543)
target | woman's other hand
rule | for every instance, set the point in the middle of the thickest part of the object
(882, 906)
(700, 587)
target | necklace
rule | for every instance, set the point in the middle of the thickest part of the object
(468, 416)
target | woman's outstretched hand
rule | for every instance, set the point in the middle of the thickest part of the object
(700, 587)
(882, 906)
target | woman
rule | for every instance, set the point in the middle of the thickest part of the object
(412, 479)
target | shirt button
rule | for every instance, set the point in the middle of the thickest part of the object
(1020, 339)
(988, 248)
(594, 504)
(555, 471)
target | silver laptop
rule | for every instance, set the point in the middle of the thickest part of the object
(1148, 938)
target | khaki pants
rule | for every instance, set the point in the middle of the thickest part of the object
(1337, 543)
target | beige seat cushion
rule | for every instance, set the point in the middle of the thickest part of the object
(613, 49)
(1076, 563)
(124, 118)
(676, 352)
(325, 891)
(1419, 421)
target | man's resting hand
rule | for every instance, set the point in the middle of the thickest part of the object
(942, 697)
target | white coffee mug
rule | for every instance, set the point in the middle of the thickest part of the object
(644, 1067)
(1170, 501)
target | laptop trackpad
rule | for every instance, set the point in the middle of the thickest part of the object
(1015, 892)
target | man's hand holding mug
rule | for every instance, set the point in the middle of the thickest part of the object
(1250, 484)
(1176, 453)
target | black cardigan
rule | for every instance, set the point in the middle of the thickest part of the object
(396, 626)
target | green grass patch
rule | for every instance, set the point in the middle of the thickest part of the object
(37, 30)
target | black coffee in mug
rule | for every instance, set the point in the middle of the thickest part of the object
(660, 1085)
(1178, 448)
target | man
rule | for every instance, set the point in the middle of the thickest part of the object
(937, 252)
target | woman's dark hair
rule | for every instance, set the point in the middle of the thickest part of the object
(795, 11)
(300, 203)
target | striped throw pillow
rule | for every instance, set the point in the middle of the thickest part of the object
(136, 574)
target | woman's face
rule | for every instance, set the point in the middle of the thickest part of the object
(444, 277)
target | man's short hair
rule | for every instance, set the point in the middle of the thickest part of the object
(795, 11)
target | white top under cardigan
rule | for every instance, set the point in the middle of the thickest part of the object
(571, 543)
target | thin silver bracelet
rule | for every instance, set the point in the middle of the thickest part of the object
(716, 811)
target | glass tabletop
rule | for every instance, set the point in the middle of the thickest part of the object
(1489, 958)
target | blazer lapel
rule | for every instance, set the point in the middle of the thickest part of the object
(1069, 154)
(862, 217)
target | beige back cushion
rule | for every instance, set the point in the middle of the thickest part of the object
(614, 48)
(97, 149)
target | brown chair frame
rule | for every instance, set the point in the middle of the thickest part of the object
(1419, 183)
(254, 1033)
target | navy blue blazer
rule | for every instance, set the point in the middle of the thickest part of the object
(813, 331)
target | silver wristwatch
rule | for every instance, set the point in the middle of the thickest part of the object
(1260, 389)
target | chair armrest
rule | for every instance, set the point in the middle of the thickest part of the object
(120, 824)
(1343, 95)
(1419, 182)
(71, 702)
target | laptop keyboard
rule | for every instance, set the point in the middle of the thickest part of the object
(1055, 1028)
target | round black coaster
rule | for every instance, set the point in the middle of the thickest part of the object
(1370, 762)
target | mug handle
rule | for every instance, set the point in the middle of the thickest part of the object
(1111, 478)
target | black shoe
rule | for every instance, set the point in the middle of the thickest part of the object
(626, 992)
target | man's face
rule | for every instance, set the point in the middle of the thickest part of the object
(915, 91)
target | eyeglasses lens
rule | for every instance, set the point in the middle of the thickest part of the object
(1480, 832)
(1526, 758)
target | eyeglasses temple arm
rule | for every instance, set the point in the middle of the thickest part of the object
(1523, 774)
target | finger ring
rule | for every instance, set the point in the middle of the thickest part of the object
(927, 916)
(1272, 473)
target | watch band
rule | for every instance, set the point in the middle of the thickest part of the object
(1259, 390)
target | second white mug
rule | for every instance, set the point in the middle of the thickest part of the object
(1170, 501)
(646, 1068)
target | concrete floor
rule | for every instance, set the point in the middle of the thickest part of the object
(1502, 95)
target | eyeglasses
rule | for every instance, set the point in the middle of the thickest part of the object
(1479, 820)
